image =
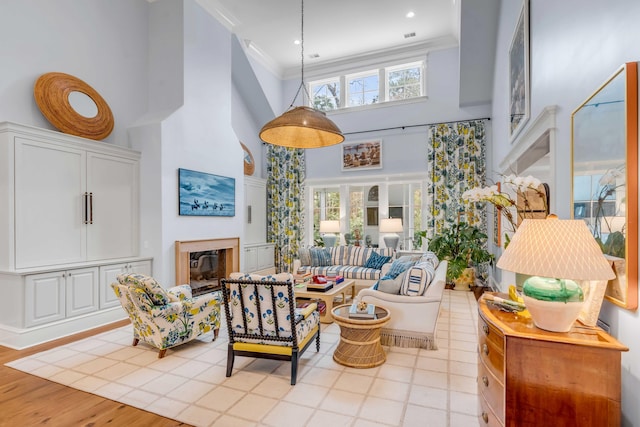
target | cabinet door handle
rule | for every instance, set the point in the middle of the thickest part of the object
(485, 329)
(485, 349)
(86, 208)
(249, 214)
(485, 381)
(90, 208)
(485, 417)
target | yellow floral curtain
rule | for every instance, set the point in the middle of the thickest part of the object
(286, 172)
(456, 159)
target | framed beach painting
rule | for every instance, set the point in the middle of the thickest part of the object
(519, 98)
(361, 155)
(205, 194)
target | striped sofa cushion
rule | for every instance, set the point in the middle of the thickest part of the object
(339, 255)
(346, 271)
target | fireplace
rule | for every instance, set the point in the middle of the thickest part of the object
(202, 263)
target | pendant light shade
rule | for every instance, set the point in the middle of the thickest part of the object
(301, 127)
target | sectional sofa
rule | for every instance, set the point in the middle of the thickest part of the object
(350, 262)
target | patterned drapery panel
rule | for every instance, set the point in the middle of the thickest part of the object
(456, 158)
(286, 171)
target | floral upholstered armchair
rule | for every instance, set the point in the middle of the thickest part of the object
(166, 318)
(263, 320)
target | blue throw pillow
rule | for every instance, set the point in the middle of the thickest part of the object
(398, 266)
(320, 257)
(376, 261)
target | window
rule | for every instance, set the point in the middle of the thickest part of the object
(393, 83)
(356, 214)
(404, 82)
(326, 205)
(363, 89)
(360, 221)
(325, 95)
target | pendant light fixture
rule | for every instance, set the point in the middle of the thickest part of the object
(301, 127)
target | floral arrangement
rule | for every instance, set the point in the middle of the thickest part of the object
(503, 200)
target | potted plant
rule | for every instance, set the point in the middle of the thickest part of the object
(463, 245)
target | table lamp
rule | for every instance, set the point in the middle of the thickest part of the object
(391, 225)
(328, 228)
(555, 253)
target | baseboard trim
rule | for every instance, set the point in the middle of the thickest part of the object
(19, 338)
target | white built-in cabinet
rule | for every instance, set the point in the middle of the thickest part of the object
(255, 201)
(69, 224)
(109, 274)
(60, 294)
(258, 254)
(259, 258)
(73, 204)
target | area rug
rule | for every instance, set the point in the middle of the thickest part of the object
(189, 384)
(186, 385)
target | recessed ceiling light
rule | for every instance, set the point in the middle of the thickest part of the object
(296, 42)
(410, 15)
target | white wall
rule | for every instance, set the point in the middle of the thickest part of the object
(101, 43)
(575, 46)
(197, 136)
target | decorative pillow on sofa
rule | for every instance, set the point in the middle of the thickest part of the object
(417, 279)
(376, 261)
(320, 257)
(398, 266)
(304, 254)
(391, 286)
(430, 257)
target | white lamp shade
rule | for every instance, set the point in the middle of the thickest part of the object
(391, 225)
(561, 249)
(330, 226)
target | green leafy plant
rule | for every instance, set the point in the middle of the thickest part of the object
(463, 245)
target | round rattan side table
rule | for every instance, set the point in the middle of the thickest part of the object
(359, 345)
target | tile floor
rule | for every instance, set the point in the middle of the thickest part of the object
(413, 388)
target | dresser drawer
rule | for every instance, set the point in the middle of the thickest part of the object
(491, 348)
(491, 389)
(486, 417)
(488, 332)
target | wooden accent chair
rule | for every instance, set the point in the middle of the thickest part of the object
(166, 318)
(263, 320)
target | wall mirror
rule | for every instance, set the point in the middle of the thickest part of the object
(605, 177)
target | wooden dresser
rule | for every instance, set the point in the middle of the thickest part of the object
(531, 377)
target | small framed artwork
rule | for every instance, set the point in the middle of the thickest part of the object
(519, 99)
(205, 194)
(361, 155)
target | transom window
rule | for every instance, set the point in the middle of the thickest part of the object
(364, 88)
(325, 94)
(392, 83)
(404, 82)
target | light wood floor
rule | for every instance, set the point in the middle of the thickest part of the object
(27, 400)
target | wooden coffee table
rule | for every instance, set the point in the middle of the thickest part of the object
(359, 345)
(328, 296)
